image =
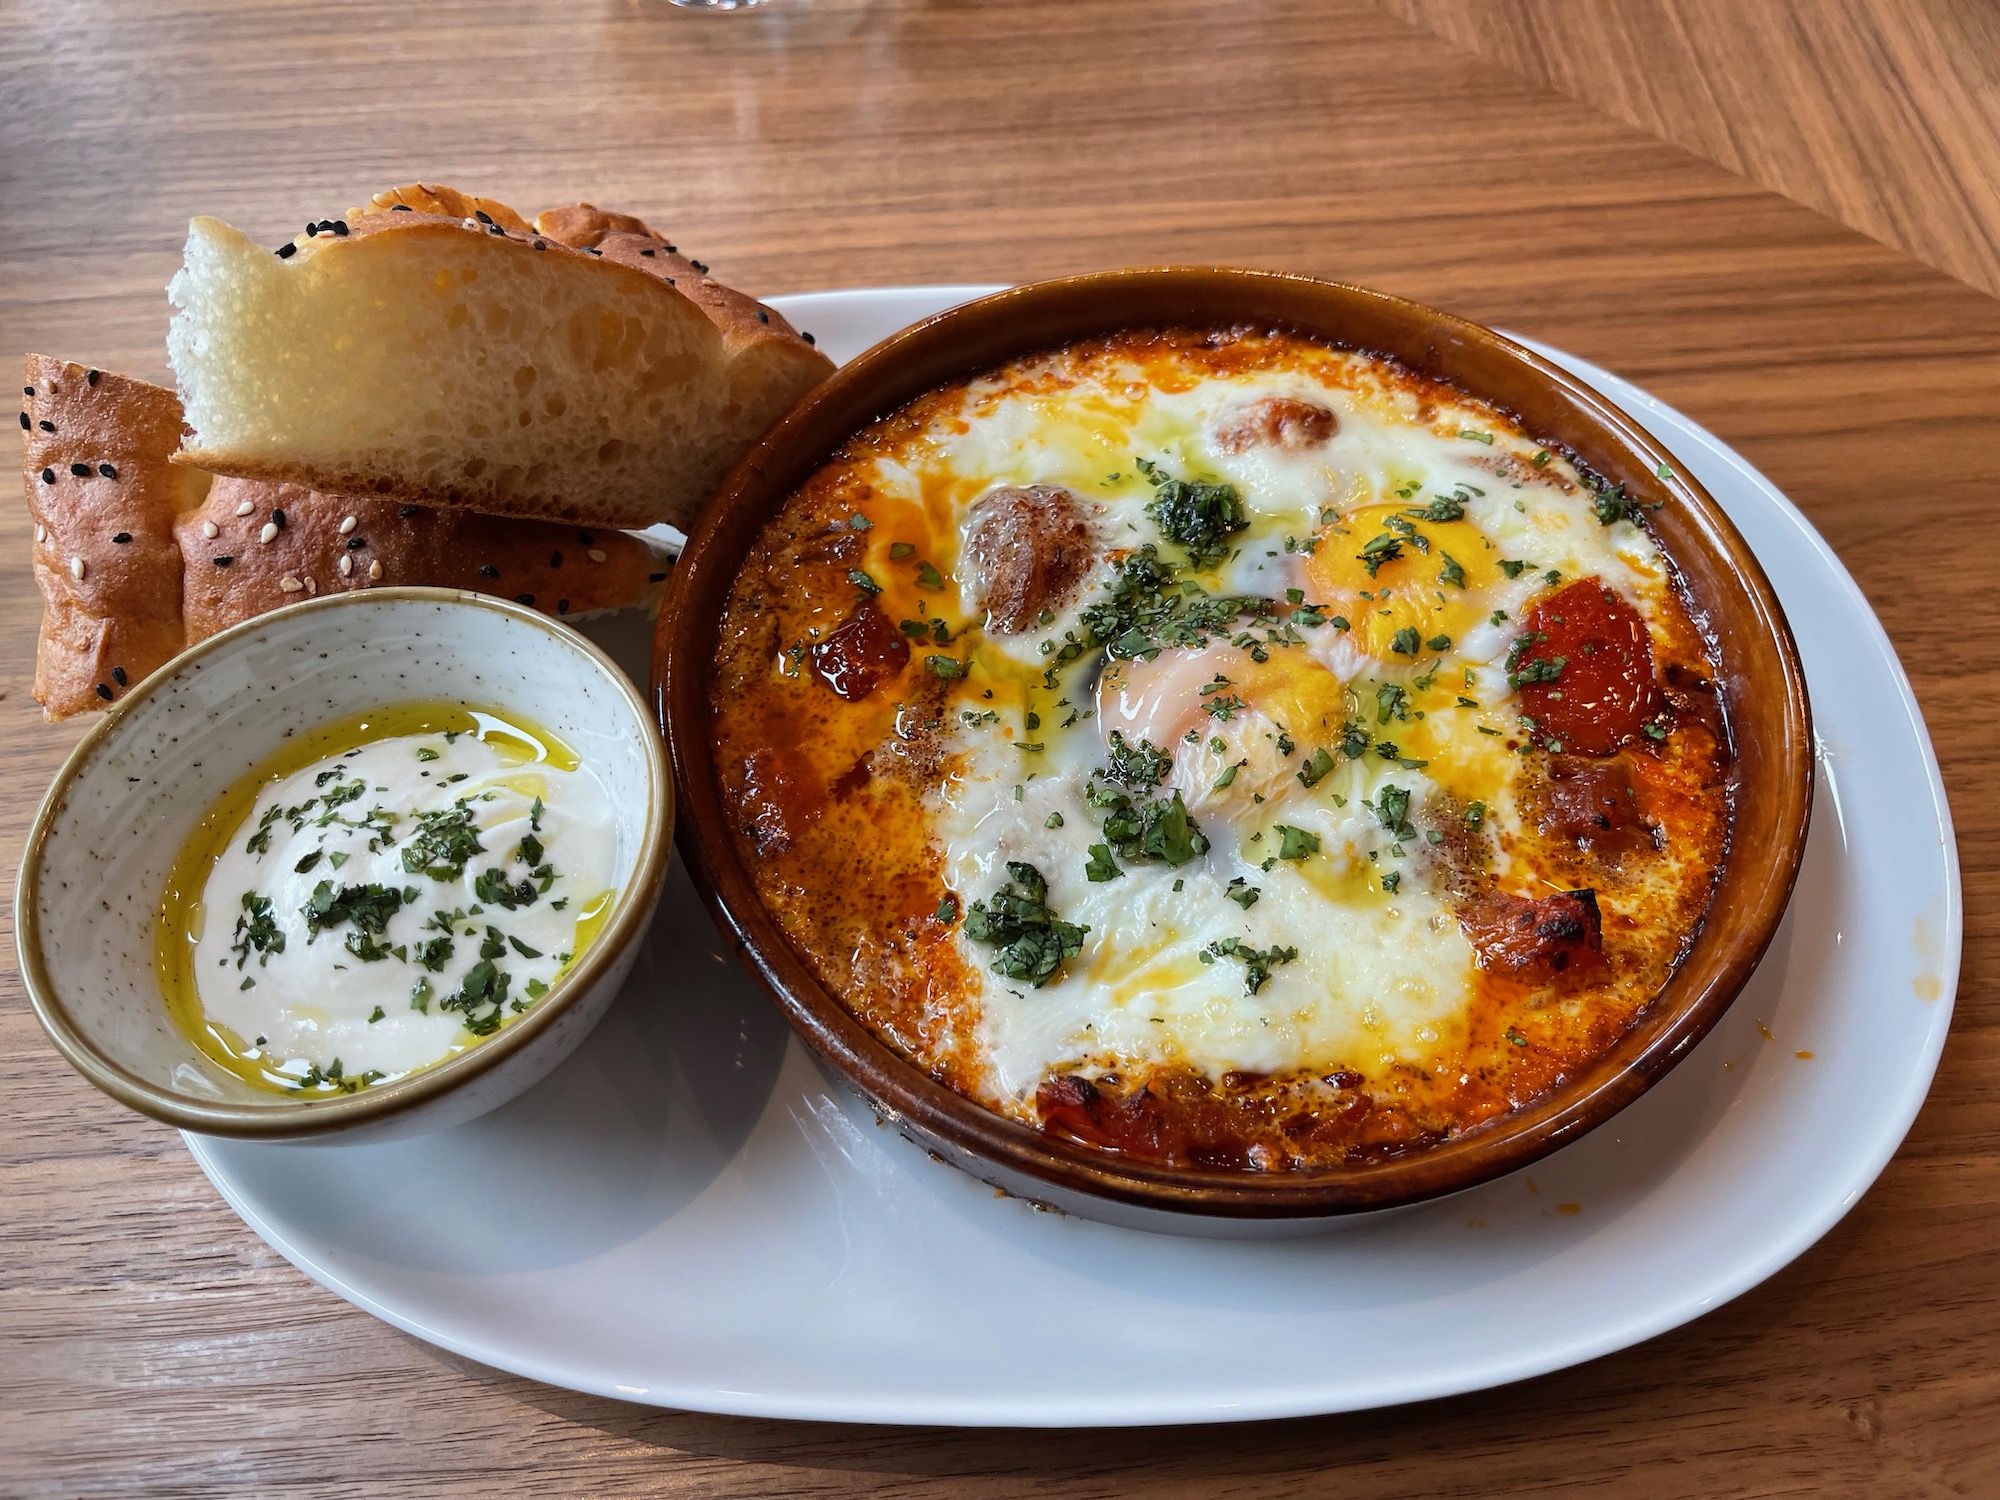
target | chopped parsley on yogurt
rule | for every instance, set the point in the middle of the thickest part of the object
(387, 904)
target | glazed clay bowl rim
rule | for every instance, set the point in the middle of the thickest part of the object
(305, 1118)
(1762, 684)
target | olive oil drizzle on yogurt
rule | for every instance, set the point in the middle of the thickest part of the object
(270, 883)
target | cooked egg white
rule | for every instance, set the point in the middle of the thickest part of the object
(1381, 970)
(386, 904)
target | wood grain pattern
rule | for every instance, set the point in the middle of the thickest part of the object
(1883, 113)
(149, 1344)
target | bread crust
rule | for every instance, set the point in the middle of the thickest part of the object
(446, 202)
(284, 544)
(112, 607)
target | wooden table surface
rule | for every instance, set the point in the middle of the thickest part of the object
(149, 1343)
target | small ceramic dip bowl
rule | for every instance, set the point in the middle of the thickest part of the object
(127, 800)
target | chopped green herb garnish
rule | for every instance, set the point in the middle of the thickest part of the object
(1136, 768)
(1147, 830)
(1034, 943)
(444, 841)
(479, 996)
(1296, 843)
(1612, 504)
(260, 841)
(1542, 669)
(256, 930)
(368, 907)
(1199, 517)
(492, 886)
(1257, 963)
(1392, 810)
(1378, 550)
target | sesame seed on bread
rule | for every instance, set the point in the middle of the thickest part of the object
(470, 362)
(276, 544)
(104, 497)
(446, 202)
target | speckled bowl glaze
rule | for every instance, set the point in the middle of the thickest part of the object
(127, 798)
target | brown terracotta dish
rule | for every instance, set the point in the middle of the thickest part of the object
(1255, 591)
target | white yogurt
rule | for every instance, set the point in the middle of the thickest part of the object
(380, 910)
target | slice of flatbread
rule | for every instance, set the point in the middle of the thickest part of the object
(277, 544)
(470, 361)
(104, 497)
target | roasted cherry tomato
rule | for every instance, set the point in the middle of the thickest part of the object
(1587, 678)
(864, 651)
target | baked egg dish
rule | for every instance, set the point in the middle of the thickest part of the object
(1223, 748)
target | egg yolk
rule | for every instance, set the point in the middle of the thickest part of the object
(1430, 588)
(1223, 692)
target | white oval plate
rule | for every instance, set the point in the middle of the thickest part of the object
(684, 1214)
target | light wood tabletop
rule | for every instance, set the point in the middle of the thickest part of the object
(151, 1344)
